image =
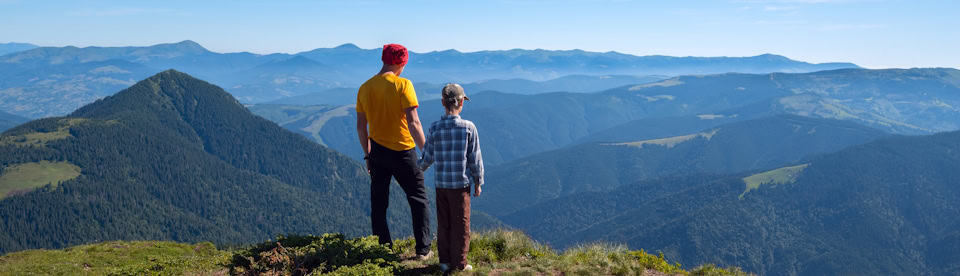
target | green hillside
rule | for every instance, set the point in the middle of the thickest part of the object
(887, 207)
(21, 178)
(785, 175)
(173, 158)
(765, 143)
(494, 252)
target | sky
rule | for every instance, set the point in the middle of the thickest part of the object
(870, 33)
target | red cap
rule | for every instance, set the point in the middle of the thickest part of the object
(394, 54)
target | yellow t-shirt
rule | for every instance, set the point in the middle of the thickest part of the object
(384, 99)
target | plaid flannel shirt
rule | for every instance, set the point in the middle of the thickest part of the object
(455, 148)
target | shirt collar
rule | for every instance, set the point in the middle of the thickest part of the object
(445, 117)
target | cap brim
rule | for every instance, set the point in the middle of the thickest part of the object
(466, 98)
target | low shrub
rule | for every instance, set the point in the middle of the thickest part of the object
(303, 255)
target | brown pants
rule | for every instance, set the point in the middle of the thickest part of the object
(453, 226)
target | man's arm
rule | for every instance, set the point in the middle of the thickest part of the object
(363, 136)
(413, 124)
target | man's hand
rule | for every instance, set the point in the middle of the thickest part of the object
(413, 125)
(476, 191)
(364, 138)
(368, 164)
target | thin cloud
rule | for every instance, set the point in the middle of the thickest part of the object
(851, 27)
(778, 8)
(780, 22)
(801, 1)
(122, 12)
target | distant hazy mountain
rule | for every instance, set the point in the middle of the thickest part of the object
(173, 158)
(8, 120)
(13, 47)
(742, 146)
(430, 91)
(57, 80)
(570, 83)
(335, 126)
(290, 77)
(888, 207)
(513, 126)
(545, 64)
(345, 96)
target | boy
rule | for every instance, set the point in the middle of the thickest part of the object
(454, 146)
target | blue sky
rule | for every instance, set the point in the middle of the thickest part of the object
(871, 33)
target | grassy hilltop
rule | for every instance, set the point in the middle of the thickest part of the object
(491, 253)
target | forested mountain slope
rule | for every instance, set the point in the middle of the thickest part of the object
(888, 207)
(764, 143)
(172, 158)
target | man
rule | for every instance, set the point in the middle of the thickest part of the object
(454, 145)
(387, 107)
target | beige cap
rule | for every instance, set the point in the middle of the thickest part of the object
(452, 92)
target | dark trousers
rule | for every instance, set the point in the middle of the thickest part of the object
(402, 165)
(453, 226)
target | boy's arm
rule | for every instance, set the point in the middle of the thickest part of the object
(427, 159)
(475, 160)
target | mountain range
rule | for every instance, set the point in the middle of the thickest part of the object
(778, 173)
(51, 81)
(512, 126)
(777, 166)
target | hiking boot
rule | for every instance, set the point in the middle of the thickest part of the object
(424, 257)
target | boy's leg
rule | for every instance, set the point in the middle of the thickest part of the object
(460, 227)
(379, 195)
(410, 178)
(443, 226)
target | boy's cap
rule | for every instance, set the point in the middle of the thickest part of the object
(394, 54)
(453, 91)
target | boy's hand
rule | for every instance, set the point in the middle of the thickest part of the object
(476, 191)
(420, 165)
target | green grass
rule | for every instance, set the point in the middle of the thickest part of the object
(502, 252)
(669, 142)
(498, 252)
(28, 176)
(119, 258)
(36, 139)
(40, 139)
(783, 175)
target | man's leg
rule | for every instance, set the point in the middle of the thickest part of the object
(443, 225)
(379, 197)
(410, 178)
